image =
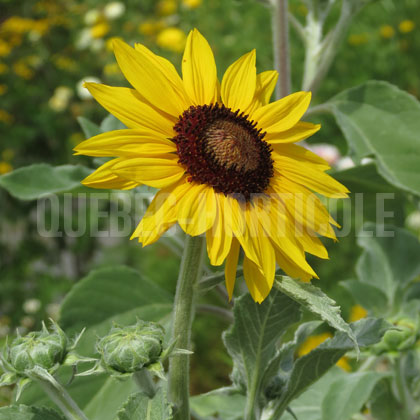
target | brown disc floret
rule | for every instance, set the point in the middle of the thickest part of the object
(224, 150)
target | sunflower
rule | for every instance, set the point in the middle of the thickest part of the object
(222, 158)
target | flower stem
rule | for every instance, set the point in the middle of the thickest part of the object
(183, 314)
(402, 389)
(62, 399)
(145, 382)
(280, 28)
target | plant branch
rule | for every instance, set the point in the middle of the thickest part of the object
(280, 28)
(61, 398)
(222, 313)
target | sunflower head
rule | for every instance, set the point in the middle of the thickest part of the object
(223, 158)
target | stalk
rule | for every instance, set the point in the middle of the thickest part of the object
(62, 399)
(280, 28)
(183, 314)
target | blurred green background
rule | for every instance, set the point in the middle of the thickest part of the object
(47, 49)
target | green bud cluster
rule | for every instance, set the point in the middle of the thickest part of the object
(38, 354)
(399, 339)
(130, 349)
(40, 348)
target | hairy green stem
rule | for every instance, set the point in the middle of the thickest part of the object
(183, 314)
(62, 399)
(320, 52)
(280, 28)
(402, 389)
(144, 381)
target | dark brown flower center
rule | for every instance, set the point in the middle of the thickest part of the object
(223, 149)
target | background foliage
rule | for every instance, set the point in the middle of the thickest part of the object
(48, 47)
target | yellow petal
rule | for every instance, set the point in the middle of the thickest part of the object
(103, 177)
(311, 177)
(231, 266)
(161, 213)
(196, 210)
(256, 244)
(151, 79)
(311, 242)
(154, 172)
(218, 237)
(303, 206)
(126, 143)
(166, 67)
(301, 131)
(199, 70)
(279, 228)
(305, 273)
(239, 82)
(290, 153)
(266, 82)
(259, 285)
(127, 105)
(282, 114)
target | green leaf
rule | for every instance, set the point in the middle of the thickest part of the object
(308, 405)
(110, 123)
(348, 394)
(89, 128)
(363, 178)
(225, 403)
(384, 405)
(113, 294)
(140, 407)
(382, 121)
(368, 296)
(316, 301)
(100, 397)
(310, 367)
(23, 412)
(35, 181)
(251, 340)
(388, 262)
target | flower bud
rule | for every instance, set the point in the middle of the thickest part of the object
(129, 349)
(403, 337)
(40, 348)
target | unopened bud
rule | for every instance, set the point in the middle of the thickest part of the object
(40, 348)
(129, 349)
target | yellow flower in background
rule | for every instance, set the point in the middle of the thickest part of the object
(406, 26)
(358, 39)
(3, 89)
(167, 7)
(357, 312)
(151, 27)
(387, 31)
(313, 341)
(191, 4)
(100, 30)
(5, 48)
(64, 63)
(223, 158)
(172, 39)
(22, 70)
(3, 68)
(5, 167)
(8, 154)
(111, 69)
